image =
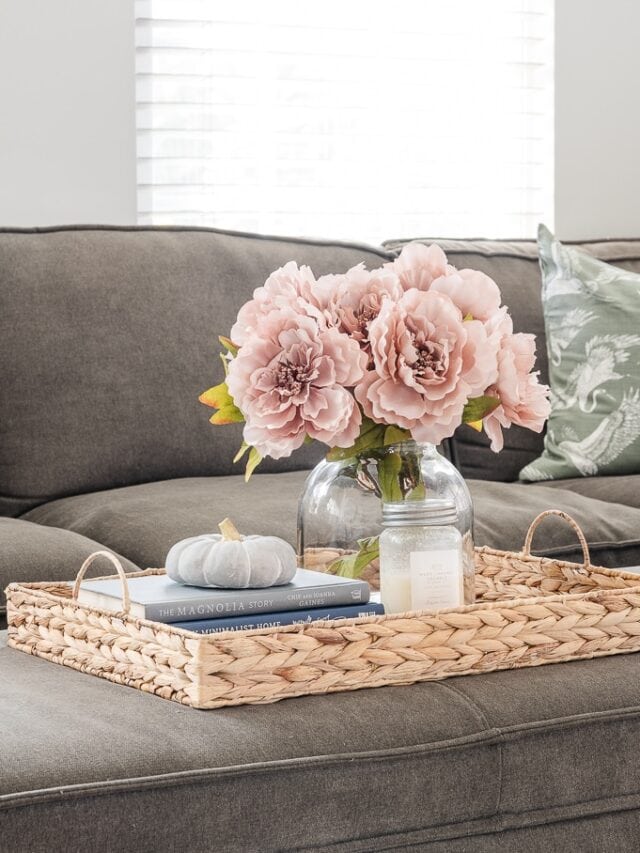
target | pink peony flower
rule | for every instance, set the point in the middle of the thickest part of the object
(473, 292)
(427, 362)
(418, 265)
(354, 300)
(523, 400)
(291, 379)
(477, 296)
(411, 342)
(288, 287)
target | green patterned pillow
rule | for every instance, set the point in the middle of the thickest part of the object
(592, 321)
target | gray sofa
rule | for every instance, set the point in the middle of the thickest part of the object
(107, 336)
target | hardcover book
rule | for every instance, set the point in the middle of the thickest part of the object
(277, 620)
(158, 598)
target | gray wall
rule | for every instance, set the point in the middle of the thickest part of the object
(597, 146)
(67, 99)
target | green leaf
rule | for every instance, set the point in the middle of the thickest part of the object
(229, 345)
(389, 467)
(219, 398)
(477, 408)
(418, 493)
(371, 437)
(353, 565)
(395, 435)
(216, 397)
(243, 449)
(227, 415)
(252, 463)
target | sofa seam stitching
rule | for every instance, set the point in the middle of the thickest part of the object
(193, 776)
(500, 827)
(490, 728)
(66, 793)
(378, 250)
(492, 734)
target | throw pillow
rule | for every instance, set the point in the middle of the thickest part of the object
(592, 321)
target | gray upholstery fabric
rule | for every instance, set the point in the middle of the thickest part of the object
(108, 336)
(623, 489)
(514, 266)
(457, 760)
(146, 520)
(143, 521)
(32, 552)
(504, 511)
(615, 830)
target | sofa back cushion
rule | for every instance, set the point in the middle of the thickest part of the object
(107, 337)
(514, 266)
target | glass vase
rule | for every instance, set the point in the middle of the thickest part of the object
(340, 510)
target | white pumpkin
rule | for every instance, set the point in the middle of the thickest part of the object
(231, 561)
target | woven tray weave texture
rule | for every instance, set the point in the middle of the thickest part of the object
(529, 611)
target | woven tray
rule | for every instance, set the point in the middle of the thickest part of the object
(529, 611)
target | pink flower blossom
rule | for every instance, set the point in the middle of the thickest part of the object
(478, 297)
(291, 379)
(411, 342)
(288, 287)
(418, 265)
(354, 300)
(473, 292)
(523, 400)
(427, 362)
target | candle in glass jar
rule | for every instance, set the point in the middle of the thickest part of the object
(421, 562)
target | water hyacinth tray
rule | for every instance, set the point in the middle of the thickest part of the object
(528, 611)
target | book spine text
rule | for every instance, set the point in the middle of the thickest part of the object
(252, 601)
(278, 620)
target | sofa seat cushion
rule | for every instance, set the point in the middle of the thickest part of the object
(253, 777)
(32, 552)
(623, 489)
(143, 521)
(146, 520)
(504, 511)
(366, 770)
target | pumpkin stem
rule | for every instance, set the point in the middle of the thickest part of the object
(229, 531)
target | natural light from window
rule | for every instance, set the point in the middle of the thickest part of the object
(350, 120)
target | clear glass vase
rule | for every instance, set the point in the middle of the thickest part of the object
(340, 510)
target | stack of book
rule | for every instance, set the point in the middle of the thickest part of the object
(310, 596)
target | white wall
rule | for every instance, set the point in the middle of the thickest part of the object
(67, 112)
(597, 146)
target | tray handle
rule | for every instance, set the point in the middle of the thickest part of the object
(126, 601)
(526, 550)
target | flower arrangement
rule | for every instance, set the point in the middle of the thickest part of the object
(365, 359)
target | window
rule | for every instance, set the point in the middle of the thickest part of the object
(346, 118)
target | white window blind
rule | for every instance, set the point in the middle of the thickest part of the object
(346, 118)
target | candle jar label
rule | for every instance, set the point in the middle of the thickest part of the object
(436, 579)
